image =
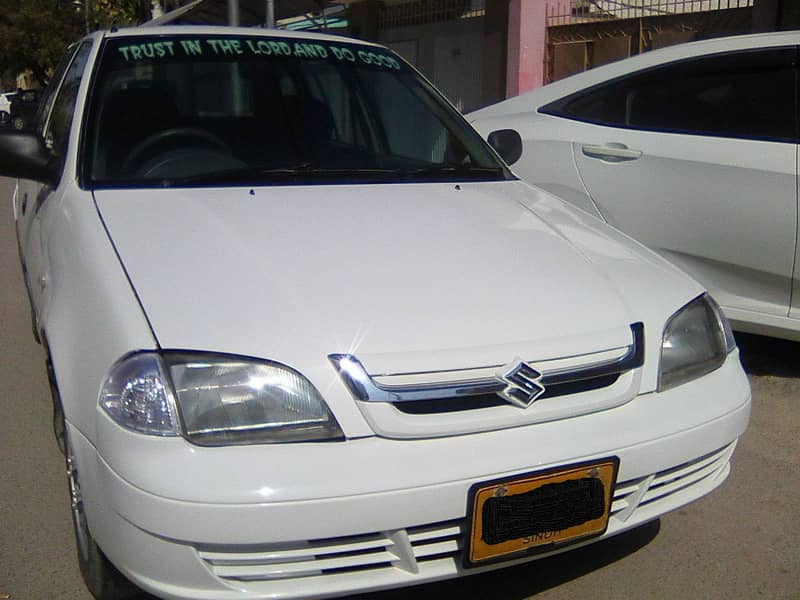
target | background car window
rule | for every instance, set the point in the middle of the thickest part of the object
(748, 95)
(57, 132)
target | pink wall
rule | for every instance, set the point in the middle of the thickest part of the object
(527, 35)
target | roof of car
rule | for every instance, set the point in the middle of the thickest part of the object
(182, 30)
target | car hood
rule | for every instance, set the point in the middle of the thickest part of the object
(407, 277)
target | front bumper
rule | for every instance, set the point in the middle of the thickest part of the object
(224, 523)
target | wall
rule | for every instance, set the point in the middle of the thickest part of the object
(450, 54)
(527, 37)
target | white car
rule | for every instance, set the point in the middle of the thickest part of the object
(691, 150)
(5, 104)
(308, 336)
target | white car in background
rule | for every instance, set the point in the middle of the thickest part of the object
(691, 150)
(5, 105)
(310, 336)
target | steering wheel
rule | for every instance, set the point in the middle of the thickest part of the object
(167, 136)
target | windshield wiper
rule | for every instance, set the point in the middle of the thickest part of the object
(309, 172)
(244, 174)
(301, 172)
(455, 172)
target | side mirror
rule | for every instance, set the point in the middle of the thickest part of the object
(507, 143)
(24, 156)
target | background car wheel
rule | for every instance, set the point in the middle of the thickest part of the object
(18, 123)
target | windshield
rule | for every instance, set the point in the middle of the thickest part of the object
(216, 110)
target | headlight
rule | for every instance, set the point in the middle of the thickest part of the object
(137, 396)
(216, 400)
(696, 341)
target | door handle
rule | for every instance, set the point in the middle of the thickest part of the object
(611, 152)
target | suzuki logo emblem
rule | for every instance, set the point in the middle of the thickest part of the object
(523, 383)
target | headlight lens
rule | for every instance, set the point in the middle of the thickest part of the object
(226, 400)
(137, 396)
(696, 341)
(233, 401)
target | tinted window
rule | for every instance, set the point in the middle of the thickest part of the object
(50, 92)
(179, 110)
(391, 98)
(57, 134)
(748, 95)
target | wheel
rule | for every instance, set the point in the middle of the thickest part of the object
(18, 123)
(168, 136)
(102, 579)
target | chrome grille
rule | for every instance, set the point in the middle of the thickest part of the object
(427, 407)
(437, 403)
(470, 382)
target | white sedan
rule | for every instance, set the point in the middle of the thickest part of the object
(691, 150)
(308, 336)
(5, 105)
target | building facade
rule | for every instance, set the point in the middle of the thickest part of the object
(479, 52)
(483, 51)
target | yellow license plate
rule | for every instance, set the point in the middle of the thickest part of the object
(539, 511)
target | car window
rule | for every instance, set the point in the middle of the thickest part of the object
(392, 98)
(745, 95)
(195, 110)
(49, 94)
(348, 111)
(58, 128)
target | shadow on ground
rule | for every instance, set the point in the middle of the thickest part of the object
(523, 581)
(769, 356)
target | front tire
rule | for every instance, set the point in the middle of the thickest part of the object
(18, 123)
(102, 579)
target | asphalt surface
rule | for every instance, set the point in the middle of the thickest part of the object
(739, 542)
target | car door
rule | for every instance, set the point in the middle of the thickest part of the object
(698, 160)
(36, 198)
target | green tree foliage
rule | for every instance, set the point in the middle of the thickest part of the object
(35, 33)
(107, 13)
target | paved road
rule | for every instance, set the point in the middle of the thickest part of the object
(740, 542)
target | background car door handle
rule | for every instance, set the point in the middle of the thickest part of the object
(611, 152)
